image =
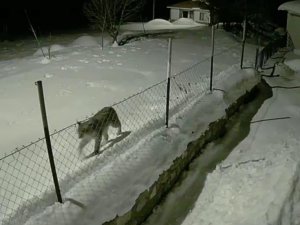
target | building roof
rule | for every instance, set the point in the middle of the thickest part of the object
(291, 7)
(190, 5)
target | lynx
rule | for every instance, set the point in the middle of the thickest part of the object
(97, 126)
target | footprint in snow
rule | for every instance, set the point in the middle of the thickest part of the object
(93, 84)
(11, 123)
(65, 92)
(83, 61)
(48, 75)
(74, 68)
(45, 61)
(9, 68)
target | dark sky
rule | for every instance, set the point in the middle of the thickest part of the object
(45, 15)
(58, 15)
(55, 15)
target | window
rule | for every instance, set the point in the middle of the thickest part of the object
(201, 16)
(184, 14)
(187, 14)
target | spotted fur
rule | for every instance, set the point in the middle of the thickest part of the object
(97, 127)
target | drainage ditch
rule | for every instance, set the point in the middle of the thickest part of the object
(174, 207)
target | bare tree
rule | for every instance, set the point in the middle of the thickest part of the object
(109, 15)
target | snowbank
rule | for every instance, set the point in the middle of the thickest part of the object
(85, 41)
(185, 21)
(292, 7)
(259, 182)
(161, 24)
(158, 22)
(53, 48)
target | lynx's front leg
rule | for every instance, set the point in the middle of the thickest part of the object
(97, 144)
(83, 143)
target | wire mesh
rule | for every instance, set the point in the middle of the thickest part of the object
(269, 50)
(25, 176)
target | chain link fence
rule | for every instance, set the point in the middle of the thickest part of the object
(25, 176)
(269, 50)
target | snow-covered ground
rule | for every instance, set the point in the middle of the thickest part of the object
(81, 78)
(259, 182)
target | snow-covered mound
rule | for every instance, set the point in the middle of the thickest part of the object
(85, 41)
(282, 68)
(159, 22)
(185, 21)
(53, 48)
(56, 47)
(294, 64)
(291, 6)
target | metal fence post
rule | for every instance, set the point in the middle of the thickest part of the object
(212, 56)
(48, 141)
(244, 42)
(256, 58)
(257, 54)
(168, 81)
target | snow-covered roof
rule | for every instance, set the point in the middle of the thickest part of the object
(189, 5)
(291, 7)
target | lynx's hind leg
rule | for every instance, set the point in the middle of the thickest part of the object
(105, 136)
(119, 130)
(97, 144)
(117, 124)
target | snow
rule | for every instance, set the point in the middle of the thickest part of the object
(185, 21)
(258, 183)
(52, 48)
(292, 7)
(77, 76)
(116, 185)
(85, 41)
(161, 24)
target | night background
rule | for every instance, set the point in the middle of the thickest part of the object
(54, 16)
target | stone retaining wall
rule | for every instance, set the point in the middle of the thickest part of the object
(150, 198)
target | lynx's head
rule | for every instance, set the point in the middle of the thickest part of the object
(85, 129)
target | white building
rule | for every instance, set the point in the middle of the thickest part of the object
(293, 20)
(196, 10)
